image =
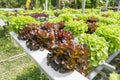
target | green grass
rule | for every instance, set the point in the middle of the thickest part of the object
(20, 69)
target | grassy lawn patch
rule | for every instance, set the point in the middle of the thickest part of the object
(20, 69)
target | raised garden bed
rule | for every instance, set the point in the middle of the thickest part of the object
(40, 58)
(74, 42)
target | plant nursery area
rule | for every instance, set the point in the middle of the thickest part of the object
(60, 40)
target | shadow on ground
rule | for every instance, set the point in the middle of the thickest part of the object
(32, 73)
(2, 34)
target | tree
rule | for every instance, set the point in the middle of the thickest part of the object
(118, 5)
(46, 4)
(83, 6)
(107, 1)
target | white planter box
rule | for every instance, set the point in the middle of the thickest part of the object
(11, 9)
(2, 23)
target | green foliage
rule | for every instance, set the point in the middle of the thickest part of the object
(66, 17)
(17, 23)
(108, 21)
(83, 17)
(100, 24)
(53, 4)
(114, 76)
(12, 3)
(112, 36)
(3, 17)
(50, 12)
(68, 10)
(62, 17)
(31, 72)
(97, 46)
(2, 14)
(55, 20)
(76, 27)
(89, 14)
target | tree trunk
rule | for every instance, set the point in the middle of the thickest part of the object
(83, 6)
(58, 4)
(46, 4)
(76, 4)
(32, 4)
(118, 5)
(107, 1)
(36, 4)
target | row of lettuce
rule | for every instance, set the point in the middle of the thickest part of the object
(105, 26)
(114, 76)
